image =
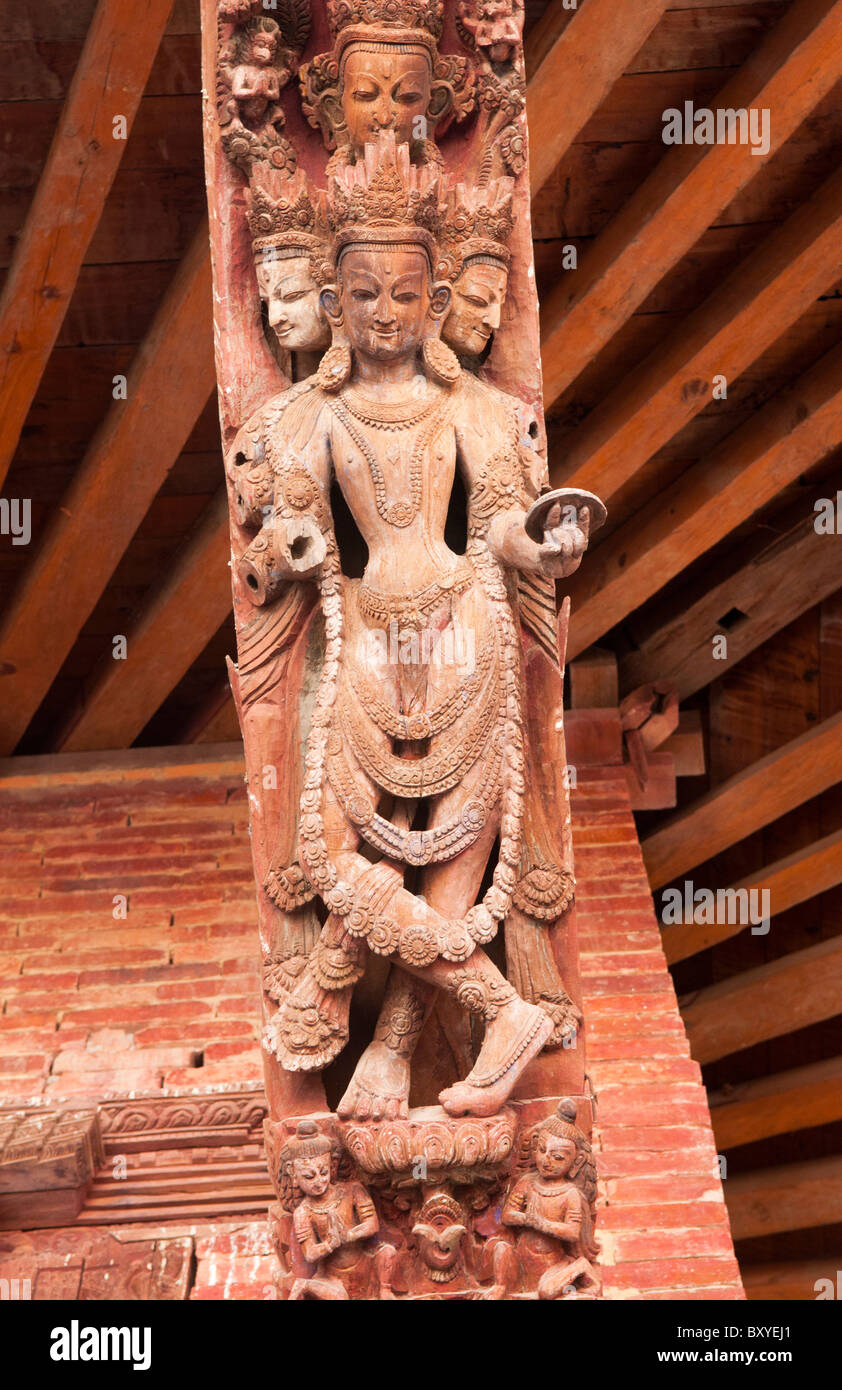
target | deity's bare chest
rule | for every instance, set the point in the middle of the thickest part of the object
(400, 456)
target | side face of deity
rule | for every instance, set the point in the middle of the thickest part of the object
(384, 91)
(291, 296)
(477, 307)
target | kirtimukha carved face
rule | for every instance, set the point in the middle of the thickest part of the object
(439, 1238)
(312, 1175)
(478, 296)
(386, 90)
(291, 296)
(554, 1157)
(386, 300)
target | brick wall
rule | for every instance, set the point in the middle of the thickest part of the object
(97, 1005)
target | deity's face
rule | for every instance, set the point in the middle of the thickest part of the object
(312, 1175)
(554, 1157)
(477, 307)
(384, 91)
(291, 296)
(386, 297)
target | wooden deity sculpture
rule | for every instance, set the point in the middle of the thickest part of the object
(402, 721)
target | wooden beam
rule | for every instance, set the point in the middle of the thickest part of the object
(791, 1100)
(790, 1198)
(580, 64)
(770, 787)
(84, 157)
(177, 622)
(792, 880)
(170, 381)
(790, 1281)
(40, 772)
(799, 426)
(789, 74)
(761, 298)
(687, 745)
(797, 571)
(781, 997)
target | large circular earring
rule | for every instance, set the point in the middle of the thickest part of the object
(334, 370)
(440, 362)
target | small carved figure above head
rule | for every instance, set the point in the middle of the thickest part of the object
(256, 62)
(385, 72)
(289, 234)
(494, 26)
(476, 258)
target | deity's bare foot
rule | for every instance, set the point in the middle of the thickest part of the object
(379, 1088)
(512, 1039)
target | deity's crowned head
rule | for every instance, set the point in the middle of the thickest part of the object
(289, 241)
(384, 73)
(475, 233)
(384, 214)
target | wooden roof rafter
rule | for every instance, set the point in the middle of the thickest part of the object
(125, 465)
(790, 73)
(794, 430)
(764, 791)
(111, 75)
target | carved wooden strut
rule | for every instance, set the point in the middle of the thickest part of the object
(376, 340)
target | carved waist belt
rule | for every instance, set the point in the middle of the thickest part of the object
(411, 609)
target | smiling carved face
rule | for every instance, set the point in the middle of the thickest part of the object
(384, 91)
(292, 303)
(313, 1175)
(554, 1157)
(477, 307)
(385, 298)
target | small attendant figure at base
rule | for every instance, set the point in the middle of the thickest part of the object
(552, 1205)
(330, 1221)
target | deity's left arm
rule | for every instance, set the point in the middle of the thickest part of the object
(492, 456)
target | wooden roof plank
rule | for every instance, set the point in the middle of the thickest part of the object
(801, 769)
(789, 1281)
(84, 156)
(798, 1099)
(764, 295)
(170, 381)
(789, 74)
(792, 880)
(790, 1198)
(799, 426)
(177, 622)
(583, 66)
(797, 571)
(793, 992)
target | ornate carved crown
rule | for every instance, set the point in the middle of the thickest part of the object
(477, 225)
(385, 198)
(290, 224)
(416, 15)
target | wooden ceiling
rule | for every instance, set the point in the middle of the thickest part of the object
(691, 262)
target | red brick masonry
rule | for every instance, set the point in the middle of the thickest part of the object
(95, 1004)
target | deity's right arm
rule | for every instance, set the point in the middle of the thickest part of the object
(291, 543)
